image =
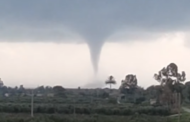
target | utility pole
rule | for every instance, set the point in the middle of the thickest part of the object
(97, 94)
(74, 109)
(91, 99)
(32, 103)
(179, 106)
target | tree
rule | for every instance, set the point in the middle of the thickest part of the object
(169, 76)
(186, 92)
(110, 81)
(21, 89)
(1, 83)
(171, 81)
(40, 89)
(128, 86)
(59, 90)
(129, 83)
(153, 91)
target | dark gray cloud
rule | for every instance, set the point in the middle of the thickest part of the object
(93, 20)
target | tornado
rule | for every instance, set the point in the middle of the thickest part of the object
(95, 49)
(95, 39)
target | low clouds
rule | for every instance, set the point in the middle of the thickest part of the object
(94, 21)
(87, 15)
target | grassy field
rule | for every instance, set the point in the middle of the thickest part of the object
(80, 118)
(184, 117)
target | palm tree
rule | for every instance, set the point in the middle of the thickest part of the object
(110, 81)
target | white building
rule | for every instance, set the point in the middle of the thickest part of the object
(152, 101)
(6, 94)
(50, 95)
(39, 95)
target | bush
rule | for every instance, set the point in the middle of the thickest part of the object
(85, 109)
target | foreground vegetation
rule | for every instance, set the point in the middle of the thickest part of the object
(128, 103)
(119, 110)
(82, 118)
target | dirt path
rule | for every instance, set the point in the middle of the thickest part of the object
(186, 109)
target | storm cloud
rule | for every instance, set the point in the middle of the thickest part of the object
(93, 21)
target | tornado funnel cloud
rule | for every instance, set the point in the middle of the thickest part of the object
(95, 37)
(95, 51)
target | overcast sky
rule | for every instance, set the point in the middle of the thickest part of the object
(51, 42)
